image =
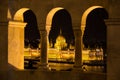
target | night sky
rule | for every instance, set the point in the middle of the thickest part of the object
(32, 35)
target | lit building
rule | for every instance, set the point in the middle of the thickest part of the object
(60, 42)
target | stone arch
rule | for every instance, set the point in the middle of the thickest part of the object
(98, 14)
(19, 14)
(87, 12)
(44, 39)
(17, 27)
(49, 19)
(50, 16)
(61, 21)
(27, 15)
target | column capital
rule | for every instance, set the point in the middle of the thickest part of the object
(48, 27)
(17, 24)
(77, 32)
(43, 32)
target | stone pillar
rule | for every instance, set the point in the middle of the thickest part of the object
(43, 57)
(3, 50)
(3, 40)
(113, 49)
(3, 10)
(16, 44)
(78, 50)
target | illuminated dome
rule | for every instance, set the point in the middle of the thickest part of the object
(60, 38)
(60, 42)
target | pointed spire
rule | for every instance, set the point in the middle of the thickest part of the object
(60, 32)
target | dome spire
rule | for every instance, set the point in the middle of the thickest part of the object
(60, 32)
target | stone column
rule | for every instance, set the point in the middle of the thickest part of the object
(16, 44)
(43, 57)
(3, 40)
(113, 49)
(3, 50)
(78, 50)
(3, 10)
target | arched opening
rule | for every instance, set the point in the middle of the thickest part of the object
(25, 38)
(50, 16)
(60, 34)
(62, 25)
(95, 35)
(19, 14)
(32, 35)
